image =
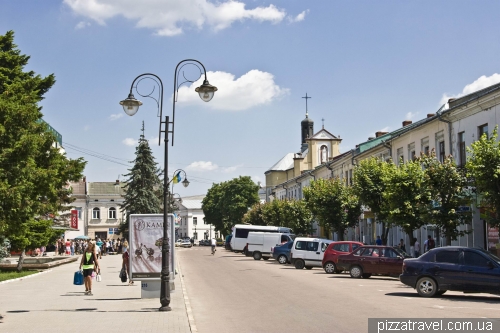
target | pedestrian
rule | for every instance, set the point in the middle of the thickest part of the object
(72, 248)
(125, 246)
(42, 250)
(401, 245)
(378, 241)
(89, 264)
(213, 243)
(126, 265)
(429, 243)
(119, 246)
(98, 252)
(417, 248)
(57, 248)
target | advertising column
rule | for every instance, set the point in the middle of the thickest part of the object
(146, 235)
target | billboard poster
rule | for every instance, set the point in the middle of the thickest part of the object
(74, 219)
(146, 235)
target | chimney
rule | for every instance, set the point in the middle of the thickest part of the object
(429, 115)
(406, 123)
(371, 138)
(451, 100)
(117, 182)
(380, 133)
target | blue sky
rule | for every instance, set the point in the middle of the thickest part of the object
(368, 65)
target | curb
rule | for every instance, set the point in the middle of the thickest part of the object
(26, 277)
(187, 303)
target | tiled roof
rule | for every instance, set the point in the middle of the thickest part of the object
(284, 164)
(191, 204)
(106, 188)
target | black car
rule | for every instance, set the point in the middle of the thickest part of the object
(456, 268)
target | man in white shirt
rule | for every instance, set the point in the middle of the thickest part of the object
(213, 243)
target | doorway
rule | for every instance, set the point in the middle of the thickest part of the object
(103, 235)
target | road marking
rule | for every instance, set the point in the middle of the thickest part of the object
(187, 303)
(462, 307)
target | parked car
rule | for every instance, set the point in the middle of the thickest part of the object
(370, 259)
(455, 268)
(204, 242)
(219, 242)
(308, 252)
(333, 251)
(260, 244)
(186, 243)
(178, 242)
(282, 253)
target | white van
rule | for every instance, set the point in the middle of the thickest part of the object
(260, 244)
(308, 252)
(240, 234)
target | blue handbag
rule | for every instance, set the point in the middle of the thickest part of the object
(78, 278)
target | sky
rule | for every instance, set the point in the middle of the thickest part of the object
(368, 65)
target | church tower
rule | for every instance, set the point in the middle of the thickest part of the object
(307, 128)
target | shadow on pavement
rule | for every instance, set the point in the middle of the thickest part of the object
(470, 298)
(113, 299)
(413, 294)
(85, 310)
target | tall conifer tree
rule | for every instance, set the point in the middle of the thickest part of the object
(143, 191)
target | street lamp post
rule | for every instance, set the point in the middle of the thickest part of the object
(131, 106)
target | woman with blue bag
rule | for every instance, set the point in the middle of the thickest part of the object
(89, 263)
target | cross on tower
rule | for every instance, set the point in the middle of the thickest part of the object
(323, 123)
(306, 101)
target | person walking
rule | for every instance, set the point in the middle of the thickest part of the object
(417, 248)
(126, 265)
(378, 241)
(89, 263)
(213, 243)
(401, 245)
(429, 243)
(72, 248)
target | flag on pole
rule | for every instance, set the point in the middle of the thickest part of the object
(177, 177)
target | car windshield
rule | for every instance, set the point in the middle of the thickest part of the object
(401, 252)
(492, 256)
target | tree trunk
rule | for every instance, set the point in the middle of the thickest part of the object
(21, 261)
(340, 234)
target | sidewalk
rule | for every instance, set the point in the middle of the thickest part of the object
(49, 302)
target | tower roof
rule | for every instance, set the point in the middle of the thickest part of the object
(307, 119)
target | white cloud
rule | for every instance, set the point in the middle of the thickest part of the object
(81, 25)
(202, 166)
(385, 129)
(115, 116)
(410, 115)
(129, 142)
(299, 17)
(251, 89)
(481, 83)
(232, 168)
(171, 17)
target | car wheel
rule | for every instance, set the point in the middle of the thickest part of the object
(257, 255)
(265, 258)
(309, 267)
(356, 272)
(366, 275)
(299, 264)
(282, 259)
(330, 268)
(427, 287)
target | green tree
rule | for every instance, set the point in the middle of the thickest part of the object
(255, 215)
(483, 167)
(407, 196)
(369, 186)
(449, 206)
(226, 203)
(143, 189)
(298, 217)
(333, 204)
(33, 171)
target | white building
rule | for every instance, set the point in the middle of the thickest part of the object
(192, 220)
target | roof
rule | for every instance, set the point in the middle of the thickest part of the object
(106, 188)
(284, 164)
(191, 204)
(473, 96)
(324, 134)
(194, 197)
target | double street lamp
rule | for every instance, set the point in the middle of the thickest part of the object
(131, 106)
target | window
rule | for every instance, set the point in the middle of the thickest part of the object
(195, 221)
(447, 257)
(368, 252)
(312, 246)
(79, 209)
(475, 259)
(350, 176)
(323, 247)
(96, 213)
(300, 245)
(441, 151)
(390, 253)
(284, 239)
(354, 247)
(195, 235)
(411, 151)
(424, 145)
(483, 129)
(112, 213)
(400, 156)
(341, 247)
(461, 149)
(357, 252)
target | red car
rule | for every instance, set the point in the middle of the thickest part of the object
(371, 259)
(333, 251)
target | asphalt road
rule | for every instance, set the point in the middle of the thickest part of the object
(233, 293)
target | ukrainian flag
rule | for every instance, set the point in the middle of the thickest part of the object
(177, 177)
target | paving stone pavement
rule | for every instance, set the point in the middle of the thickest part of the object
(50, 302)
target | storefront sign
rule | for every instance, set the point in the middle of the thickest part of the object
(74, 219)
(493, 238)
(146, 238)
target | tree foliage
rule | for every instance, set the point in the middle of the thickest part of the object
(483, 166)
(333, 204)
(449, 204)
(370, 184)
(143, 189)
(292, 214)
(226, 203)
(33, 171)
(406, 196)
